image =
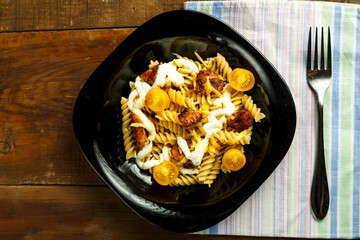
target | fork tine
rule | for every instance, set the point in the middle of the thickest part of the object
(322, 61)
(316, 50)
(329, 50)
(308, 64)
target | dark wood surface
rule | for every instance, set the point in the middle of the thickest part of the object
(48, 49)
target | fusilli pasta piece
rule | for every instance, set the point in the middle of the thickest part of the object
(177, 129)
(175, 107)
(185, 180)
(219, 65)
(252, 108)
(209, 169)
(178, 98)
(165, 138)
(236, 99)
(129, 142)
(214, 147)
(201, 99)
(231, 137)
(169, 116)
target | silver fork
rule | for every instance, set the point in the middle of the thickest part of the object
(319, 80)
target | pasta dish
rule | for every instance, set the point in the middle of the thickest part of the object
(187, 120)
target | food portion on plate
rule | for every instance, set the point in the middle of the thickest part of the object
(187, 120)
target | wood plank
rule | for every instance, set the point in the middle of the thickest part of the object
(29, 15)
(41, 75)
(25, 15)
(77, 212)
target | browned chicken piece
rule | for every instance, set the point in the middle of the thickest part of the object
(213, 78)
(242, 120)
(175, 152)
(139, 132)
(150, 75)
(189, 117)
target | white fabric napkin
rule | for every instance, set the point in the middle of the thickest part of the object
(281, 206)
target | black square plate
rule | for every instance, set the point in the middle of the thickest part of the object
(97, 121)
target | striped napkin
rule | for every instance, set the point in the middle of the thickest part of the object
(281, 206)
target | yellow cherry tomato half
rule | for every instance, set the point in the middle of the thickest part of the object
(241, 79)
(165, 173)
(234, 159)
(157, 99)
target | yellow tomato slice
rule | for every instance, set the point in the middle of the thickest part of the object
(234, 159)
(157, 99)
(165, 173)
(241, 79)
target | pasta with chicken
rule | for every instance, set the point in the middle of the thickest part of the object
(186, 120)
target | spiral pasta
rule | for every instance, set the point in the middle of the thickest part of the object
(214, 147)
(185, 180)
(169, 116)
(196, 127)
(219, 65)
(252, 108)
(180, 99)
(232, 138)
(201, 99)
(177, 129)
(209, 169)
(165, 138)
(236, 99)
(127, 135)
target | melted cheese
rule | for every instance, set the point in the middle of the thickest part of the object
(189, 170)
(141, 154)
(142, 88)
(167, 71)
(164, 156)
(188, 64)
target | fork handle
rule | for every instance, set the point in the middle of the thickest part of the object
(319, 196)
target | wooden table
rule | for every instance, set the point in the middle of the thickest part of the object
(48, 49)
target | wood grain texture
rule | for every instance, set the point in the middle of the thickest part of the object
(25, 15)
(30, 15)
(75, 212)
(41, 75)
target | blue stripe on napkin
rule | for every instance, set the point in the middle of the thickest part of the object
(356, 194)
